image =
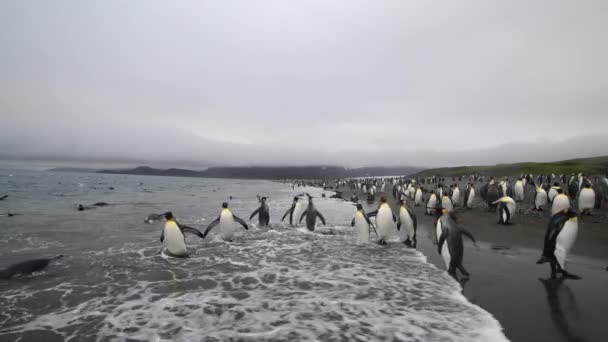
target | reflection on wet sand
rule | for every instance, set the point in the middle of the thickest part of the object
(563, 308)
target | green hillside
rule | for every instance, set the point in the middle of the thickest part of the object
(590, 166)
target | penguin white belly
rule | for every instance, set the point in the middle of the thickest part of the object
(445, 252)
(361, 228)
(471, 198)
(297, 212)
(586, 199)
(431, 204)
(565, 240)
(552, 194)
(512, 207)
(560, 203)
(456, 196)
(446, 203)
(519, 191)
(407, 224)
(174, 240)
(418, 197)
(384, 222)
(227, 225)
(541, 199)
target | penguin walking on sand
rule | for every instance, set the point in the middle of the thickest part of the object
(586, 200)
(172, 237)
(385, 221)
(407, 220)
(449, 242)
(506, 209)
(311, 214)
(560, 237)
(469, 196)
(560, 202)
(294, 210)
(363, 225)
(227, 222)
(263, 212)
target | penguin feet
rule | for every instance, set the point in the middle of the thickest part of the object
(408, 243)
(382, 242)
(543, 259)
(570, 275)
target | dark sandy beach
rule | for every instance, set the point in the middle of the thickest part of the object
(506, 281)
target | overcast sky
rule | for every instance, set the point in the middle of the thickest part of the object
(424, 83)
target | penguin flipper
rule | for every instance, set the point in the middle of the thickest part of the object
(256, 212)
(413, 216)
(162, 236)
(372, 214)
(239, 220)
(210, 226)
(441, 241)
(186, 229)
(352, 223)
(469, 235)
(288, 212)
(321, 217)
(302, 216)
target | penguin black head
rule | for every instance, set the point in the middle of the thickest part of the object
(382, 199)
(359, 206)
(80, 207)
(555, 184)
(225, 205)
(168, 215)
(402, 202)
(296, 198)
(560, 191)
(570, 213)
(264, 199)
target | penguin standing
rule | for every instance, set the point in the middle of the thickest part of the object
(431, 204)
(586, 200)
(294, 210)
(407, 219)
(553, 192)
(418, 200)
(172, 237)
(559, 239)
(446, 202)
(449, 242)
(226, 220)
(362, 224)
(560, 202)
(540, 197)
(311, 214)
(263, 212)
(456, 195)
(385, 221)
(506, 209)
(519, 190)
(469, 196)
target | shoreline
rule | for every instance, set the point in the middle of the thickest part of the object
(508, 283)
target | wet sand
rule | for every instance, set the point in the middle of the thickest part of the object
(509, 284)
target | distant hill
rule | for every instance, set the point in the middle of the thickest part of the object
(71, 169)
(270, 172)
(590, 166)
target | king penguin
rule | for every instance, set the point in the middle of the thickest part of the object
(519, 190)
(311, 214)
(449, 242)
(172, 237)
(469, 196)
(263, 212)
(506, 209)
(294, 210)
(560, 202)
(385, 221)
(586, 200)
(540, 197)
(431, 204)
(226, 220)
(362, 224)
(407, 220)
(418, 200)
(559, 239)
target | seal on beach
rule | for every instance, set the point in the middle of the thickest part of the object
(172, 236)
(263, 212)
(311, 214)
(226, 220)
(27, 267)
(362, 224)
(561, 234)
(407, 220)
(385, 220)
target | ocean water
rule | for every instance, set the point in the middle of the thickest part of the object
(271, 284)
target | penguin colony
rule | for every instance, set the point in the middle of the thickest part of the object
(557, 194)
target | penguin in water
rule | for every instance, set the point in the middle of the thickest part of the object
(469, 196)
(560, 202)
(296, 208)
(586, 200)
(449, 242)
(311, 214)
(27, 267)
(172, 237)
(263, 212)
(407, 219)
(385, 220)
(362, 224)
(226, 220)
(540, 197)
(559, 239)
(506, 209)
